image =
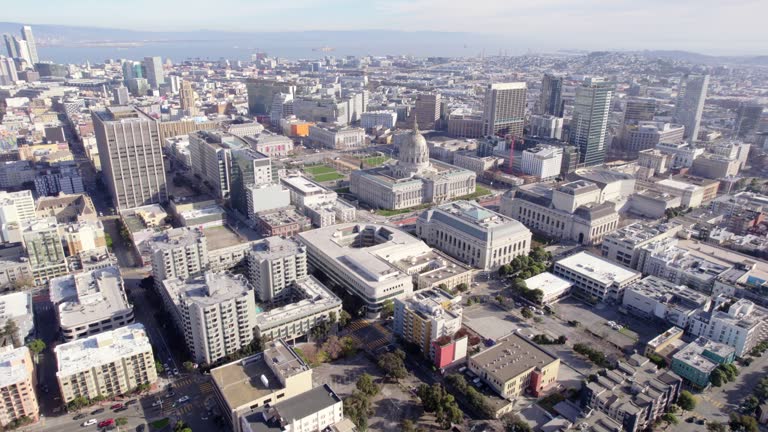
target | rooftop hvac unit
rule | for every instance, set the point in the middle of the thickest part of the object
(264, 380)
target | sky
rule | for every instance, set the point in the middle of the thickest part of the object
(708, 26)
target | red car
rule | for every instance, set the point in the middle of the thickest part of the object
(106, 423)
(116, 406)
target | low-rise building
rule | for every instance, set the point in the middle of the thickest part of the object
(665, 344)
(696, 361)
(246, 386)
(573, 211)
(17, 307)
(216, 312)
(111, 363)
(431, 319)
(635, 394)
(311, 304)
(374, 119)
(655, 298)
(595, 278)
(554, 288)
(543, 161)
(315, 410)
(666, 259)
(336, 137)
(283, 221)
(83, 236)
(514, 366)
(321, 205)
(469, 160)
(266, 197)
(67, 208)
(42, 242)
(623, 245)
(17, 385)
(473, 234)
(91, 302)
(693, 191)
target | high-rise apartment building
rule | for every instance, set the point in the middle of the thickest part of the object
(178, 253)
(747, 119)
(589, 124)
(504, 109)
(274, 264)
(42, 242)
(131, 156)
(17, 385)
(551, 97)
(187, 99)
(248, 168)
(691, 95)
(153, 66)
(29, 38)
(15, 208)
(261, 94)
(427, 110)
(216, 312)
(10, 46)
(112, 363)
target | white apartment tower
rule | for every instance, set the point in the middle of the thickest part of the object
(690, 103)
(504, 109)
(274, 264)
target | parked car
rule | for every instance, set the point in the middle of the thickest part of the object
(130, 402)
(183, 399)
(97, 411)
(89, 422)
(79, 416)
(116, 406)
(106, 423)
(157, 403)
(175, 371)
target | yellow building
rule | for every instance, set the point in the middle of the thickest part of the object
(17, 385)
(514, 365)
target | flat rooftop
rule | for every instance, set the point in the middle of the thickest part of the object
(176, 237)
(693, 354)
(87, 297)
(297, 407)
(210, 288)
(13, 365)
(594, 267)
(220, 237)
(547, 283)
(511, 356)
(316, 299)
(474, 219)
(240, 382)
(103, 348)
(304, 185)
(277, 247)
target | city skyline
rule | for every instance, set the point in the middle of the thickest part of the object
(676, 25)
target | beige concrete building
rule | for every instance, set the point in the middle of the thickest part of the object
(17, 385)
(515, 365)
(244, 387)
(504, 109)
(178, 253)
(110, 363)
(216, 312)
(91, 302)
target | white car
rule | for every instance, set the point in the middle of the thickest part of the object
(90, 422)
(157, 403)
(183, 399)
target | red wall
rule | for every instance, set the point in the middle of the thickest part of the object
(444, 355)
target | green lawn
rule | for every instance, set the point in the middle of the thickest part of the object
(479, 192)
(375, 161)
(319, 169)
(327, 177)
(401, 211)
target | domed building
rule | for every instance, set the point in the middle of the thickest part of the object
(414, 180)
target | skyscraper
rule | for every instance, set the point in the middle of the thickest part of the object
(154, 71)
(427, 109)
(590, 120)
(8, 73)
(639, 109)
(23, 49)
(127, 71)
(120, 95)
(29, 38)
(10, 46)
(747, 119)
(261, 94)
(690, 103)
(504, 112)
(131, 156)
(551, 98)
(187, 99)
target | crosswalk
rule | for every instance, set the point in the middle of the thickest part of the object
(206, 387)
(183, 382)
(357, 325)
(713, 402)
(186, 408)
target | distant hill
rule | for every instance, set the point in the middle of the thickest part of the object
(693, 57)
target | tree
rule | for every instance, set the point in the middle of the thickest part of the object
(121, 421)
(761, 390)
(344, 318)
(742, 423)
(670, 418)
(393, 366)
(462, 287)
(749, 404)
(180, 426)
(189, 366)
(332, 317)
(320, 331)
(717, 378)
(358, 407)
(12, 330)
(36, 346)
(77, 403)
(366, 385)
(505, 270)
(716, 426)
(526, 312)
(686, 400)
(407, 426)
(388, 309)
(435, 399)
(159, 367)
(108, 240)
(513, 423)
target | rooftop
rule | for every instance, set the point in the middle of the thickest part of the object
(512, 356)
(176, 237)
(276, 247)
(304, 185)
(316, 298)
(282, 216)
(473, 219)
(91, 296)
(103, 348)
(638, 232)
(210, 288)
(547, 283)
(666, 292)
(434, 303)
(594, 267)
(295, 408)
(13, 365)
(240, 382)
(694, 354)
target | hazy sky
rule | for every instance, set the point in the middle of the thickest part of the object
(716, 26)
